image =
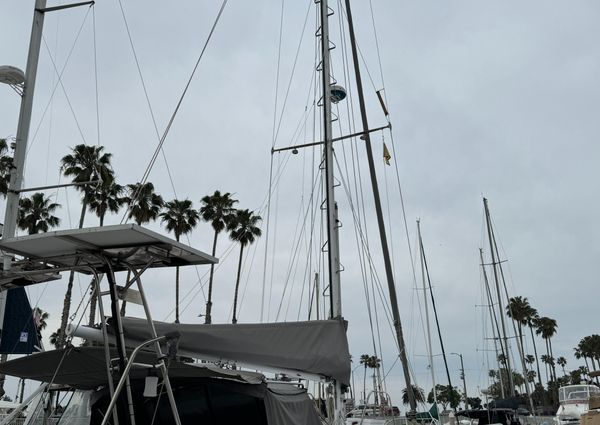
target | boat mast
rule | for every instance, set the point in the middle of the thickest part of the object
(493, 321)
(331, 206)
(380, 223)
(338, 408)
(16, 171)
(511, 390)
(429, 346)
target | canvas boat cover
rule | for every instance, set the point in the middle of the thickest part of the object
(85, 368)
(316, 347)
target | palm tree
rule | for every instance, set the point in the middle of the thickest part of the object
(144, 206)
(364, 360)
(562, 362)
(84, 163)
(180, 218)
(6, 162)
(218, 210)
(243, 229)
(87, 163)
(532, 319)
(35, 214)
(106, 198)
(54, 339)
(144, 203)
(417, 391)
(546, 327)
(40, 319)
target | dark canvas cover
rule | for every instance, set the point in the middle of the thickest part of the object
(19, 333)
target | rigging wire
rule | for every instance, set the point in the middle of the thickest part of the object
(59, 82)
(161, 141)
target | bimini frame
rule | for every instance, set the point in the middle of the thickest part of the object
(103, 251)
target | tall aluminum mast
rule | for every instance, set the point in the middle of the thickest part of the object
(331, 206)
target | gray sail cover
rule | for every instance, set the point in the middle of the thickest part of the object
(316, 347)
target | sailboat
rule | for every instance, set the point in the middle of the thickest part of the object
(137, 373)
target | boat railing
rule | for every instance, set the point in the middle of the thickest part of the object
(125, 377)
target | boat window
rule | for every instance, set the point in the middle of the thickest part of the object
(207, 403)
(78, 410)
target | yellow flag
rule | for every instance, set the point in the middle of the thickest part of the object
(386, 154)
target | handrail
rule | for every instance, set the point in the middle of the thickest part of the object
(135, 352)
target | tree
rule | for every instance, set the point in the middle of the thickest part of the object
(243, 228)
(107, 197)
(144, 203)
(417, 391)
(364, 360)
(546, 327)
(180, 218)
(218, 210)
(40, 319)
(562, 362)
(35, 214)
(55, 340)
(6, 163)
(445, 395)
(84, 164)
(474, 403)
(144, 206)
(532, 319)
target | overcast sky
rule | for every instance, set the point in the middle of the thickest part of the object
(495, 99)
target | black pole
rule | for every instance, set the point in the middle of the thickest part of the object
(437, 322)
(380, 223)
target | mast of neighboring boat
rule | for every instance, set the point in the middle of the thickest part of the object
(437, 321)
(380, 223)
(493, 320)
(500, 310)
(429, 346)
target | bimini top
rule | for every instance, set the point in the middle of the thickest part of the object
(125, 245)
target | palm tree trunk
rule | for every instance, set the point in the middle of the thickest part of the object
(237, 284)
(552, 359)
(208, 317)
(65, 313)
(67, 303)
(83, 210)
(177, 294)
(93, 301)
(537, 361)
(124, 303)
(365, 386)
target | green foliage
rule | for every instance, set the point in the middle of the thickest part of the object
(418, 393)
(474, 403)
(5, 166)
(445, 395)
(106, 197)
(35, 214)
(179, 217)
(144, 203)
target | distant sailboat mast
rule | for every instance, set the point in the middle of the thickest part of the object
(511, 389)
(426, 304)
